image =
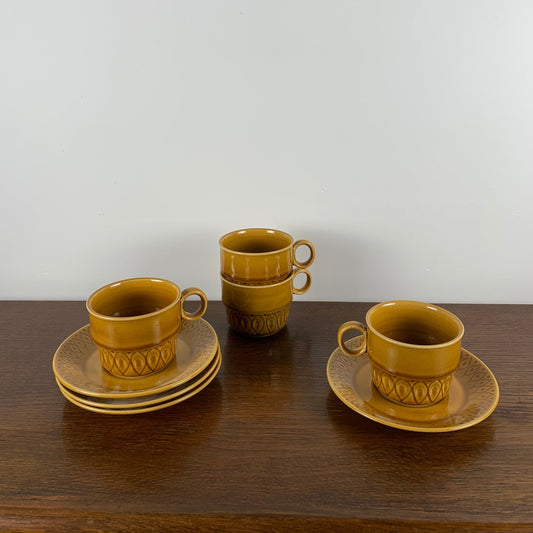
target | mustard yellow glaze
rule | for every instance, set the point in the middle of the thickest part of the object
(260, 310)
(414, 348)
(134, 323)
(256, 255)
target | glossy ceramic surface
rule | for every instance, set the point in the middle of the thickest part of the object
(148, 399)
(149, 402)
(134, 323)
(264, 298)
(258, 325)
(138, 410)
(414, 348)
(473, 395)
(260, 255)
(76, 364)
(260, 311)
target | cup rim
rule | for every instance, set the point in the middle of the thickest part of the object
(456, 319)
(93, 312)
(255, 254)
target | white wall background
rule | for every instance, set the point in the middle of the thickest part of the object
(396, 135)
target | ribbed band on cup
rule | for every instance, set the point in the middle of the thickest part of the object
(256, 283)
(408, 390)
(260, 325)
(135, 363)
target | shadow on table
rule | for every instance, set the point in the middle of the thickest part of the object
(266, 363)
(403, 454)
(117, 448)
(260, 370)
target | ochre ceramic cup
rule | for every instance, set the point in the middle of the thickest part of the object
(135, 322)
(414, 348)
(259, 256)
(261, 310)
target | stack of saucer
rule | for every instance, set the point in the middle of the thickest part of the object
(83, 381)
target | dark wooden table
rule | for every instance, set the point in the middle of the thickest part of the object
(266, 446)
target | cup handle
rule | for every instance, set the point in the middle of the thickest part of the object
(307, 263)
(305, 288)
(348, 326)
(193, 291)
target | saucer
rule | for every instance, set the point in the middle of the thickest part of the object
(166, 400)
(473, 395)
(149, 399)
(77, 366)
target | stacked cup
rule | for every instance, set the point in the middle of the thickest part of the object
(258, 268)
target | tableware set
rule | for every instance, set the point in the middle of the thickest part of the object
(142, 351)
(408, 370)
(84, 382)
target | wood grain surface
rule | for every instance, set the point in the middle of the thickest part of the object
(266, 446)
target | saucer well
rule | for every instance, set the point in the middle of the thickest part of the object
(473, 395)
(76, 364)
(166, 400)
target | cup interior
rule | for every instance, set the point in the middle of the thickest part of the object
(256, 241)
(415, 323)
(134, 297)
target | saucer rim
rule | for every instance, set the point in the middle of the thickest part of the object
(143, 409)
(406, 425)
(213, 367)
(172, 382)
